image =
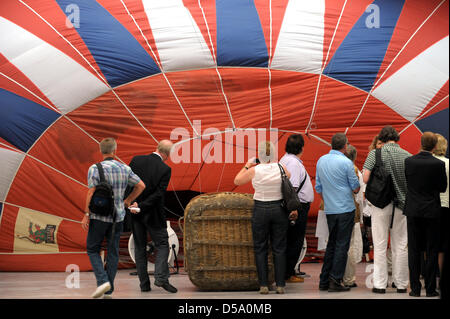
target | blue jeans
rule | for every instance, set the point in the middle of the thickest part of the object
(340, 227)
(98, 231)
(269, 222)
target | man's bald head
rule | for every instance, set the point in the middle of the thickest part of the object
(164, 148)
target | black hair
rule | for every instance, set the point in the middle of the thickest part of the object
(388, 133)
(294, 144)
(338, 141)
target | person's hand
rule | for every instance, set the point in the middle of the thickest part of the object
(134, 205)
(85, 222)
(293, 215)
(251, 162)
(126, 203)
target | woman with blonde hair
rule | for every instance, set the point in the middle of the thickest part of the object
(376, 143)
(439, 152)
(269, 220)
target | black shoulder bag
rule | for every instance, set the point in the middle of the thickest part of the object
(380, 188)
(290, 195)
(102, 201)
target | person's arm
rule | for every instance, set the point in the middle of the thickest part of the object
(318, 186)
(92, 179)
(159, 192)
(137, 190)
(85, 221)
(442, 179)
(246, 173)
(366, 176)
(352, 179)
(368, 165)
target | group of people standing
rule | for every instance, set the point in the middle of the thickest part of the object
(141, 185)
(415, 223)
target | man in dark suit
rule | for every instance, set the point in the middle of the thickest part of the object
(426, 178)
(156, 175)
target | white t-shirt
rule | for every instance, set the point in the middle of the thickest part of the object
(267, 182)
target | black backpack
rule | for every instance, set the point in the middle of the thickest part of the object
(380, 188)
(102, 201)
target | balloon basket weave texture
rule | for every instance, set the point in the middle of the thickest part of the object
(218, 243)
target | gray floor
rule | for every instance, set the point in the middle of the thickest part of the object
(37, 285)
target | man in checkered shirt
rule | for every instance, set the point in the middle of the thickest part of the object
(119, 176)
(393, 157)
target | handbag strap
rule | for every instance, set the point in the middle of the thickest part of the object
(378, 161)
(283, 173)
(395, 199)
(304, 180)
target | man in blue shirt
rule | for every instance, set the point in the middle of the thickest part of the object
(336, 182)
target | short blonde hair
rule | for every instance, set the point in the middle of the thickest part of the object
(266, 151)
(441, 145)
(108, 145)
(373, 145)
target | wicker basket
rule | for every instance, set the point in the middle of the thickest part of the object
(218, 243)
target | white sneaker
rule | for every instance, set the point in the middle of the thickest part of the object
(101, 290)
(107, 296)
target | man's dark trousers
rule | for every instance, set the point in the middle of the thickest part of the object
(295, 238)
(340, 227)
(423, 235)
(160, 238)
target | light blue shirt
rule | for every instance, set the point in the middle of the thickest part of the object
(336, 180)
(298, 172)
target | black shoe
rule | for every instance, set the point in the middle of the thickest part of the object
(378, 291)
(353, 285)
(401, 291)
(146, 289)
(432, 294)
(336, 286)
(166, 286)
(323, 287)
(414, 294)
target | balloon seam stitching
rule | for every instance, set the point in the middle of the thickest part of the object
(85, 59)
(418, 118)
(216, 67)
(323, 68)
(159, 65)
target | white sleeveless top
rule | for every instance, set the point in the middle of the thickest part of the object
(267, 182)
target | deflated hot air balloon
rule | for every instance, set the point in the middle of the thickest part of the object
(214, 77)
